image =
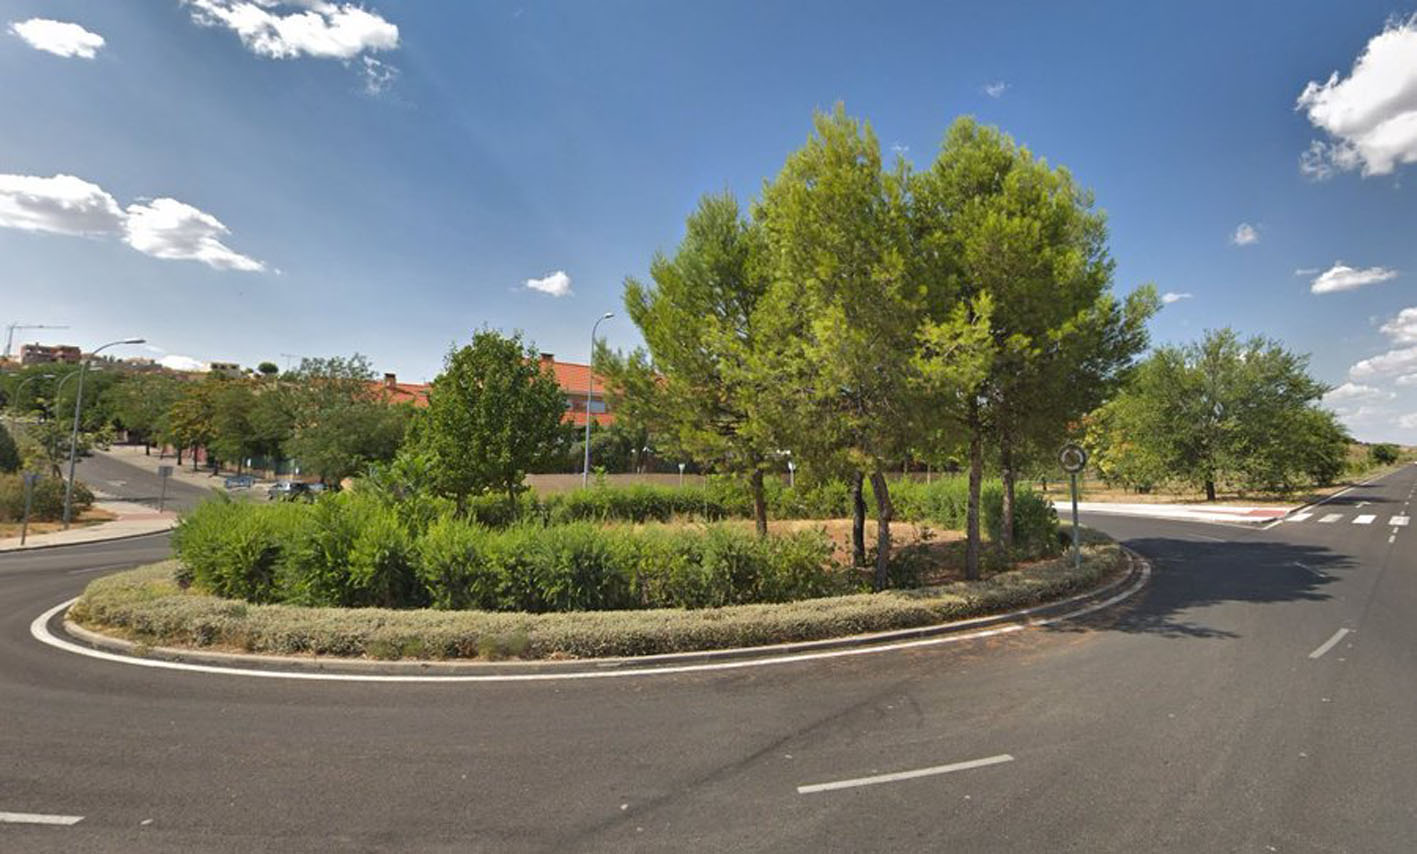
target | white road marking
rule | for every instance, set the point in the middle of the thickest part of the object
(1399, 521)
(1330, 518)
(1310, 569)
(903, 775)
(1360, 505)
(38, 818)
(39, 630)
(1391, 538)
(1365, 519)
(1299, 517)
(1330, 643)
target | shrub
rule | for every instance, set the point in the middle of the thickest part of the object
(1384, 454)
(453, 566)
(9, 452)
(47, 502)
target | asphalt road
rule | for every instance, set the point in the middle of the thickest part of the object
(1209, 713)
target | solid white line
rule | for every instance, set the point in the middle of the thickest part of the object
(903, 775)
(1365, 519)
(1330, 518)
(39, 630)
(1298, 517)
(1330, 643)
(38, 818)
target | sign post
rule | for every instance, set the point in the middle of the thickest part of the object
(681, 474)
(1073, 459)
(163, 472)
(31, 478)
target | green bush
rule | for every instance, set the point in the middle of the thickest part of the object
(9, 452)
(47, 503)
(1384, 454)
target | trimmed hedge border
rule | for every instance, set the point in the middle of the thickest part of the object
(146, 606)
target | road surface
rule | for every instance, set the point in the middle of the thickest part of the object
(1259, 695)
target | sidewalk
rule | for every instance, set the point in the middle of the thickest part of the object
(1182, 512)
(132, 520)
(133, 455)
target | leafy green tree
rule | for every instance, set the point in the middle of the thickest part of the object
(493, 415)
(268, 369)
(189, 420)
(339, 421)
(9, 452)
(839, 321)
(1383, 454)
(1221, 410)
(141, 403)
(693, 387)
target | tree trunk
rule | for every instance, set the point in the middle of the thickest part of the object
(147, 449)
(512, 499)
(858, 521)
(179, 458)
(1006, 472)
(976, 478)
(1209, 490)
(760, 502)
(884, 512)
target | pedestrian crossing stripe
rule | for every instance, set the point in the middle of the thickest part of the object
(1330, 518)
(1299, 517)
(1365, 519)
(1398, 521)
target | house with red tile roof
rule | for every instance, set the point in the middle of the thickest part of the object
(573, 378)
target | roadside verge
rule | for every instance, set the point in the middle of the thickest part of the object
(133, 520)
(1116, 576)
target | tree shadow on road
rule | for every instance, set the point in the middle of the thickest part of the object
(1187, 575)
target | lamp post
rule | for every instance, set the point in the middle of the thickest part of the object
(74, 435)
(15, 404)
(590, 389)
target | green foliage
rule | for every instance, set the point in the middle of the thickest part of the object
(1382, 454)
(9, 452)
(339, 423)
(1220, 410)
(493, 415)
(47, 502)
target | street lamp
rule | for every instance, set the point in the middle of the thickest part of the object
(74, 436)
(15, 404)
(590, 389)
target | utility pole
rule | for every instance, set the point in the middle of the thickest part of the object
(10, 332)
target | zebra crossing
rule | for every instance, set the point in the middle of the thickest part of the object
(1396, 521)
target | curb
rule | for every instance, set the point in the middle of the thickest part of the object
(1136, 574)
(101, 540)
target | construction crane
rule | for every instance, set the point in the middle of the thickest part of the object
(10, 332)
(289, 356)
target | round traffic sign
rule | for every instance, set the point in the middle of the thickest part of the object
(1073, 458)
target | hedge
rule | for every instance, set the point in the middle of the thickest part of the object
(47, 504)
(149, 605)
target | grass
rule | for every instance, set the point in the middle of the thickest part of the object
(146, 605)
(92, 516)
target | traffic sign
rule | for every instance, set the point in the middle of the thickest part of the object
(164, 471)
(1073, 458)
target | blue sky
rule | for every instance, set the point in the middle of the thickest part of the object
(389, 176)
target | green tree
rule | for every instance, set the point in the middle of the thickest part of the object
(188, 423)
(9, 452)
(141, 403)
(1220, 410)
(1383, 454)
(839, 322)
(339, 422)
(268, 369)
(493, 415)
(693, 387)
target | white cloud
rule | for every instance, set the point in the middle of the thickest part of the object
(1392, 362)
(1408, 421)
(1370, 116)
(182, 363)
(1341, 277)
(62, 204)
(1356, 392)
(290, 29)
(162, 228)
(1172, 297)
(996, 89)
(558, 284)
(1407, 380)
(1402, 329)
(1245, 234)
(60, 38)
(1306, 271)
(167, 228)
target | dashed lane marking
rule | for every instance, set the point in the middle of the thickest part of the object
(903, 775)
(38, 818)
(1330, 643)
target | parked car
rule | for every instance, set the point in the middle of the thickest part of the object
(289, 490)
(239, 481)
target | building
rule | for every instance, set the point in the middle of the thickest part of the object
(573, 379)
(41, 354)
(225, 369)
